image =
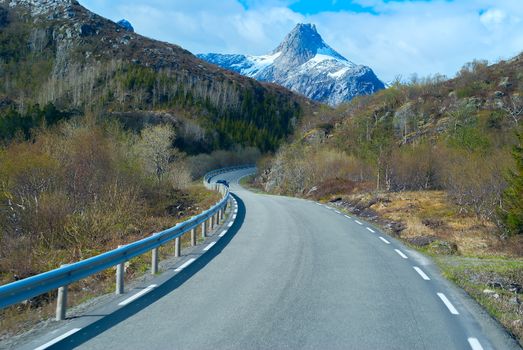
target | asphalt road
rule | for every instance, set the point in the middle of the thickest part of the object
(292, 274)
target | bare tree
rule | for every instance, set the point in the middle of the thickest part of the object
(514, 107)
(155, 149)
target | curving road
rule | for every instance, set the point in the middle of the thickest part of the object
(292, 274)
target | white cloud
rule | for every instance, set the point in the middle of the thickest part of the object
(493, 17)
(404, 37)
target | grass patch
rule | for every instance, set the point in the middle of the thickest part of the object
(495, 283)
(249, 183)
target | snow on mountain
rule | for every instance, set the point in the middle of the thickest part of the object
(304, 63)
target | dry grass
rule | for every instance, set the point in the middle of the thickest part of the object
(431, 213)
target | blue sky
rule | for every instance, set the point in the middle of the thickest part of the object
(394, 37)
(310, 7)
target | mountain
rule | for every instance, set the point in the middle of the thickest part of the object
(304, 63)
(126, 25)
(58, 52)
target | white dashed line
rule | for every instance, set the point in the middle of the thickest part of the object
(421, 273)
(223, 233)
(475, 344)
(337, 212)
(348, 217)
(234, 217)
(187, 263)
(359, 223)
(209, 246)
(230, 224)
(57, 339)
(448, 304)
(384, 240)
(371, 230)
(137, 295)
(318, 204)
(401, 254)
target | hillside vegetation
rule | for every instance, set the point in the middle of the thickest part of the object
(436, 162)
(78, 61)
(456, 135)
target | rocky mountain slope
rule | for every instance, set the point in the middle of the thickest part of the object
(304, 63)
(56, 51)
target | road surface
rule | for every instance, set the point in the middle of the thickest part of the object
(293, 274)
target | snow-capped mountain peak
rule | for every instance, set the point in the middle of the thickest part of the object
(304, 63)
(303, 43)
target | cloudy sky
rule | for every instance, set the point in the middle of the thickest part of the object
(394, 37)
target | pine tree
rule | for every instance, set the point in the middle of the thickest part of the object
(513, 195)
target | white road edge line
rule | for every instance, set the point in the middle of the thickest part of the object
(359, 223)
(137, 295)
(475, 344)
(371, 230)
(223, 233)
(401, 254)
(384, 240)
(57, 339)
(421, 273)
(185, 264)
(209, 246)
(448, 304)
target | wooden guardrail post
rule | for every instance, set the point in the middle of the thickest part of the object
(120, 274)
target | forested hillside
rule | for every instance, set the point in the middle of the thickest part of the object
(55, 54)
(430, 134)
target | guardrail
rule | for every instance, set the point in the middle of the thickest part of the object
(207, 178)
(60, 278)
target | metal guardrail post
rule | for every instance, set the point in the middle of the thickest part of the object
(177, 247)
(204, 224)
(120, 274)
(61, 302)
(193, 237)
(154, 260)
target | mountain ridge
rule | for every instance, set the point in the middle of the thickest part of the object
(304, 63)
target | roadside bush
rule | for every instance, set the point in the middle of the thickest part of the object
(82, 188)
(512, 210)
(413, 167)
(475, 181)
